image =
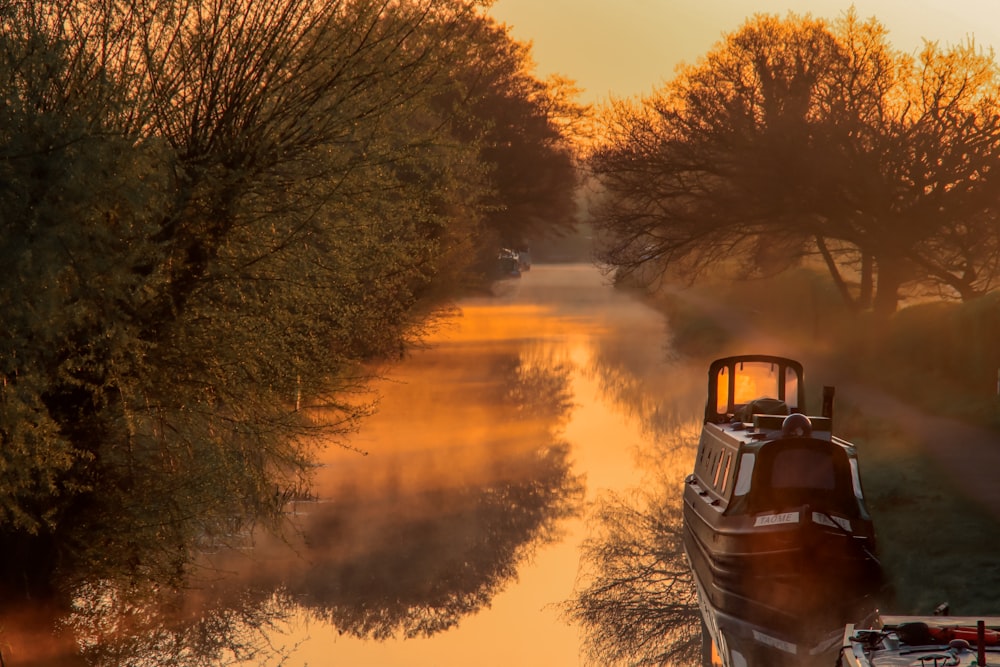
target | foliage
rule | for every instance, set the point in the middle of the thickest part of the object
(522, 126)
(219, 217)
(944, 357)
(797, 137)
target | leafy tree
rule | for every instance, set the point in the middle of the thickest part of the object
(949, 138)
(691, 173)
(796, 138)
(80, 205)
(215, 214)
(524, 129)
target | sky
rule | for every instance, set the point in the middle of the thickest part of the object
(626, 48)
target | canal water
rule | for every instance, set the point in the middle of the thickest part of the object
(448, 531)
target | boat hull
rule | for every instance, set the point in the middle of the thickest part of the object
(783, 563)
(781, 588)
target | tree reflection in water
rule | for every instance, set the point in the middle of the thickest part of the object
(115, 625)
(637, 604)
(439, 569)
(446, 549)
(450, 548)
(376, 557)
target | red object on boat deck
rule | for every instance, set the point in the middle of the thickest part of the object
(971, 635)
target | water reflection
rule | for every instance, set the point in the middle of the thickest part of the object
(409, 547)
(469, 498)
(637, 604)
(115, 625)
(737, 641)
(636, 370)
(407, 551)
(636, 600)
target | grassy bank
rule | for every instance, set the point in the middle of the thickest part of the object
(936, 543)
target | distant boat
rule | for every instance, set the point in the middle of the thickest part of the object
(507, 264)
(775, 523)
(524, 259)
(956, 641)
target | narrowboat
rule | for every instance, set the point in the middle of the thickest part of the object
(922, 640)
(775, 522)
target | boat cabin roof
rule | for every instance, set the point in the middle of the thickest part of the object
(764, 428)
(752, 467)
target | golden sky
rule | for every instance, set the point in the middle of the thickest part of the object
(623, 48)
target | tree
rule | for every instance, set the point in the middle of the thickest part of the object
(947, 180)
(216, 215)
(701, 168)
(523, 127)
(796, 138)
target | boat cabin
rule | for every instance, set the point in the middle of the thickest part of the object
(759, 451)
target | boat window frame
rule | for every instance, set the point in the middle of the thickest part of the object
(725, 474)
(718, 469)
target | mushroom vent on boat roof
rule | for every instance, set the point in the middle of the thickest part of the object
(796, 426)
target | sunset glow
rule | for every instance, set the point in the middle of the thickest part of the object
(622, 49)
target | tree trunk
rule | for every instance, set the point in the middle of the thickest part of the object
(867, 281)
(838, 279)
(890, 276)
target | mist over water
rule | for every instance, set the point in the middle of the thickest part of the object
(453, 541)
(468, 520)
(450, 529)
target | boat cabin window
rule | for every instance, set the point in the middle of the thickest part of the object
(793, 473)
(755, 379)
(723, 483)
(745, 474)
(722, 472)
(803, 468)
(716, 465)
(856, 479)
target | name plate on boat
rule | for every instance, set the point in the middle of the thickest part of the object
(780, 644)
(827, 520)
(774, 519)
